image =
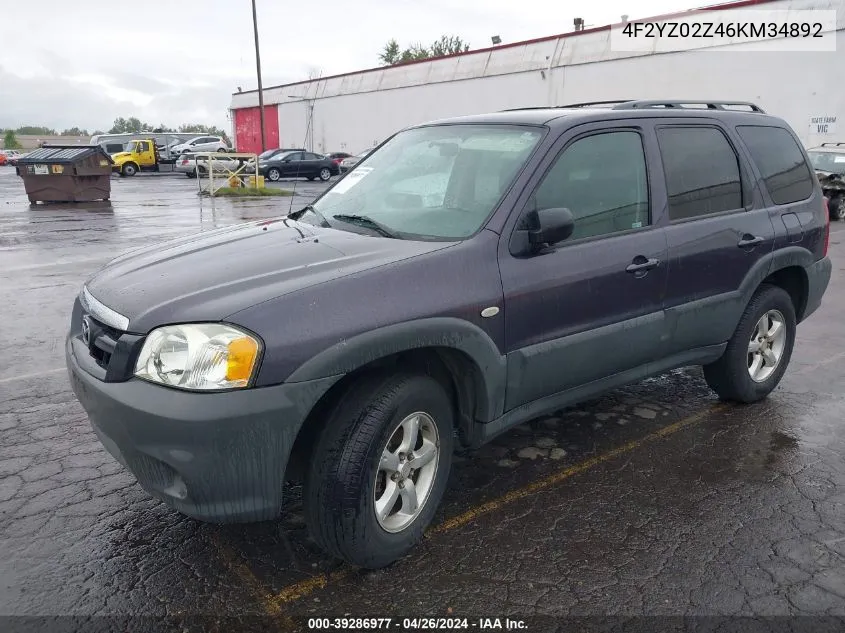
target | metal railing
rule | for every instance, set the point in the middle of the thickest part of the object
(227, 175)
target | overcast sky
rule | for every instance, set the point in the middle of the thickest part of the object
(86, 62)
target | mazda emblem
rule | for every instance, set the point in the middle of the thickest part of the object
(86, 331)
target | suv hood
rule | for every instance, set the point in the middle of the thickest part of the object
(209, 276)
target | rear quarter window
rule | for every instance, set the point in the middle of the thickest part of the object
(780, 160)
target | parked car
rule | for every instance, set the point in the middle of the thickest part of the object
(270, 153)
(201, 144)
(337, 157)
(15, 157)
(348, 163)
(475, 273)
(828, 160)
(192, 164)
(298, 165)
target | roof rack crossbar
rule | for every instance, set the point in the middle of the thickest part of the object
(709, 105)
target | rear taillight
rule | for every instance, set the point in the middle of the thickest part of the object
(826, 225)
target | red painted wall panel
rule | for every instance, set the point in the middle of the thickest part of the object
(248, 128)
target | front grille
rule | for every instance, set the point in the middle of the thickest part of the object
(113, 350)
(103, 343)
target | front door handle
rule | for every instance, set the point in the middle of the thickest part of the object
(642, 265)
(749, 240)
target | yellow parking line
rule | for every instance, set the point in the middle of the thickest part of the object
(520, 493)
(301, 589)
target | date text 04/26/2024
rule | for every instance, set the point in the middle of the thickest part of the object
(416, 624)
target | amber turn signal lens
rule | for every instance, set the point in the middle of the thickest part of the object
(243, 353)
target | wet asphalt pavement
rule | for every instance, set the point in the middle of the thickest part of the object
(654, 500)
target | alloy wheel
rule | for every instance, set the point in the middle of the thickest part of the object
(765, 349)
(406, 472)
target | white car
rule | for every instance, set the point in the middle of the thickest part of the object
(189, 164)
(201, 144)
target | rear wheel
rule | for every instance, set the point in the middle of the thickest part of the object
(222, 150)
(380, 468)
(759, 351)
(325, 174)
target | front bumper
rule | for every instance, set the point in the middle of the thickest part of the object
(818, 278)
(217, 457)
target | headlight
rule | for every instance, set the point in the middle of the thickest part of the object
(205, 356)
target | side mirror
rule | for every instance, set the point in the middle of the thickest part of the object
(539, 228)
(555, 225)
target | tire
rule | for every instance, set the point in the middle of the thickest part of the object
(129, 170)
(325, 174)
(274, 174)
(221, 150)
(201, 171)
(730, 376)
(190, 174)
(311, 178)
(345, 474)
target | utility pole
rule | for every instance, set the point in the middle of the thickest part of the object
(258, 70)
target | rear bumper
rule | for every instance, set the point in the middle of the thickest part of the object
(217, 457)
(818, 278)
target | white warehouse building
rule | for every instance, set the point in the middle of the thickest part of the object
(355, 111)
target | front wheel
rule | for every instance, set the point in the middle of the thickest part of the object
(325, 174)
(274, 174)
(759, 350)
(380, 468)
(129, 170)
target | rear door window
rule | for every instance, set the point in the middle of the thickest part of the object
(781, 162)
(702, 171)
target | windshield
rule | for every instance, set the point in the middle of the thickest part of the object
(267, 154)
(828, 161)
(439, 182)
(131, 146)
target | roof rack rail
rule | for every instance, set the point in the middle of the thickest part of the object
(588, 104)
(833, 144)
(707, 105)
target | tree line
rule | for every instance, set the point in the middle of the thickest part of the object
(392, 54)
(121, 125)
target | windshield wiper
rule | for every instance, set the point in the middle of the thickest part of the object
(366, 222)
(295, 215)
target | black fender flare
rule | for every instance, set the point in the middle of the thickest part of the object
(787, 257)
(437, 332)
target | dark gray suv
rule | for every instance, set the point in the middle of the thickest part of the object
(467, 275)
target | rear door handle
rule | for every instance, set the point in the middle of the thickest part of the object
(749, 240)
(641, 265)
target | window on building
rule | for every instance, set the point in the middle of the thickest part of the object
(780, 161)
(702, 171)
(602, 180)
